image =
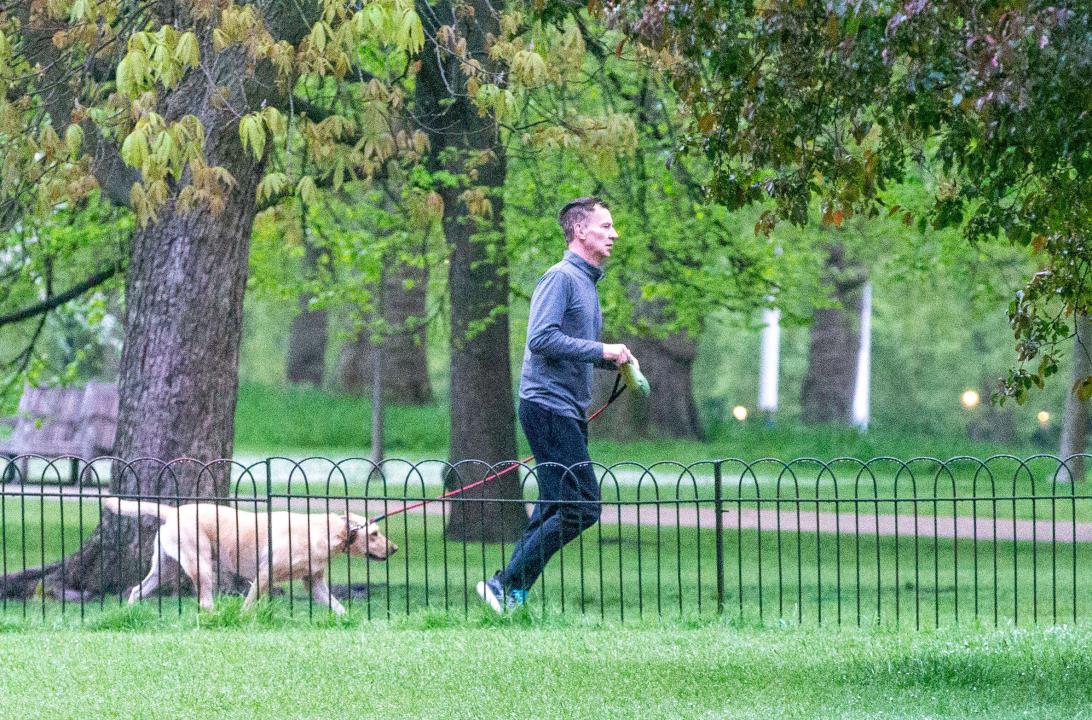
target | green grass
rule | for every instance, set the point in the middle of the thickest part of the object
(510, 671)
(271, 419)
(276, 420)
(631, 574)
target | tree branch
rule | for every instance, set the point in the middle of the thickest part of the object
(55, 301)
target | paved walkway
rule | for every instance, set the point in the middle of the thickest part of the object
(847, 523)
(843, 523)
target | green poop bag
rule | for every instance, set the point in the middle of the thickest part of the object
(635, 381)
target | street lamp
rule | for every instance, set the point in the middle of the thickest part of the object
(739, 413)
(969, 398)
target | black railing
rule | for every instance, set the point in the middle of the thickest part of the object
(916, 543)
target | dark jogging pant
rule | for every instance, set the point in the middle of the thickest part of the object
(568, 492)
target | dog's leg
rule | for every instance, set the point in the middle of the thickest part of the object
(148, 585)
(200, 572)
(260, 585)
(320, 591)
(258, 588)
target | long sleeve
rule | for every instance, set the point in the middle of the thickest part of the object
(551, 297)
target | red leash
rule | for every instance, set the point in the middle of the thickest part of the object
(619, 388)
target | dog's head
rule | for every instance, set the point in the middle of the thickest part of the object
(360, 537)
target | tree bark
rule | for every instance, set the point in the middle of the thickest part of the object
(462, 142)
(307, 341)
(405, 349)
(827, 392)
(1075, 423)
(179, 364)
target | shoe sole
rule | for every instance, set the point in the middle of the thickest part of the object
(488, 597)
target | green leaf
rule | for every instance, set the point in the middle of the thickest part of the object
(318, 36)
(411, 35)
(187, 51)
(371, 20)
(123, 76)
(306, 189)
(134, 149)
(163, 148)
(271, 186)
(73, 139)
(274, 120)
(252, 134)
(79, 11)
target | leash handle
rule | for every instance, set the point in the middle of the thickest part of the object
(615, 393)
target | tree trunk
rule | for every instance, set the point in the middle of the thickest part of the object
(1075, 423)
(827, 393)
(405, 358)
(307, 342)
(464, 142)
(179, 363)
(671, 411)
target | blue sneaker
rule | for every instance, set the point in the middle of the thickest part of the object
(492, 592)
(516, 598)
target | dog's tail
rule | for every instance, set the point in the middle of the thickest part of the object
(132, 507)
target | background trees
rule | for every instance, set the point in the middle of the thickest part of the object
(794, 100)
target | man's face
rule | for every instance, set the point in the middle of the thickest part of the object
(595, 237)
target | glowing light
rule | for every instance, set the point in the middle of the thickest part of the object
(1044, 417)
(969, 398)
(739, 413)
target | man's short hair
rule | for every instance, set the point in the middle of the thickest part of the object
(576, 212)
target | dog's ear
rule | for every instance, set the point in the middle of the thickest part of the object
(349, 533)
(346, 534)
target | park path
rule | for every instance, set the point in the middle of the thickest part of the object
(767, 520)
(842, 523)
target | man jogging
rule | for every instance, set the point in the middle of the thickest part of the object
(554, 393)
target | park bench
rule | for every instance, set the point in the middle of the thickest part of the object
(76, 424)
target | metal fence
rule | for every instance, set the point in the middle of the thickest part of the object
(911, 543)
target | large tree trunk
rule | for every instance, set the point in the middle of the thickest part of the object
(179, 364)
(482, 413)
(307, 341)
(405, 378)
(671, 411)
(1075, 423)
(827, 392)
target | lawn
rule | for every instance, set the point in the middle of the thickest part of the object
(274, 420)
(628, 573)
(508, 670)
(626, 623)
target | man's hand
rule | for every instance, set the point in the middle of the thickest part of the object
(619, 354)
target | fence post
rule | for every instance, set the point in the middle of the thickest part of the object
(718, 509)
(268, 534)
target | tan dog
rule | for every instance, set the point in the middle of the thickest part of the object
(197, 535)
